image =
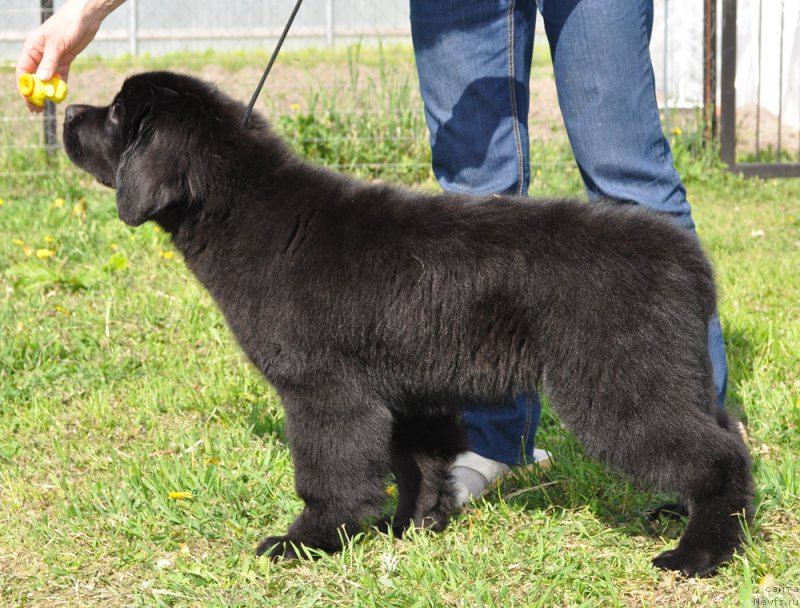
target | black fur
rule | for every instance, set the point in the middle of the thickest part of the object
(377, 311)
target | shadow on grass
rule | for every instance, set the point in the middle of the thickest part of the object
(741, 352)
(575, 481)
(265, 421)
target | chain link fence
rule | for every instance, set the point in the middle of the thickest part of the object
(228, 43)
(340, 100)
(158, 27)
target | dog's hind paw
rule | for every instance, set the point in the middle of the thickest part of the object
(689, 563)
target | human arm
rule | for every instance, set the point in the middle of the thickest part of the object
(51, 48)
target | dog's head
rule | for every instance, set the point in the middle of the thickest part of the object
(160, 143)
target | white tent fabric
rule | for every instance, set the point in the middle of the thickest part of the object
(677, 50)
(747, 57)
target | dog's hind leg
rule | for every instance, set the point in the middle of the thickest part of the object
(679, 510)
(423, 448)
(685, 453)
(717, 486)
(340, 442)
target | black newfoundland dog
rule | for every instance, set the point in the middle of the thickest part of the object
(376, 312)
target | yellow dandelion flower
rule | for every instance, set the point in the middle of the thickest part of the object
(294, 107)
(114, 247)
(80, 208)
(44, 253)
(2, 202)
(27, 251)
(57, 204)
(167, 255)
(391, 491)
(19, 242)
(677, 131)
(180, 495)
(49, 239)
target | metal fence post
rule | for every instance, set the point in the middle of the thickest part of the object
(728, 84)
(329, 33)
(133, 28)
(710, 70)
(665, 84)
(50, 140)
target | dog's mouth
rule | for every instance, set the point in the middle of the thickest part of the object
(71, 144)
(77, 155)
(86, 156)
(73, 153)
(106, 182)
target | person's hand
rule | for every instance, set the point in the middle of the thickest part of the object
(51, 48)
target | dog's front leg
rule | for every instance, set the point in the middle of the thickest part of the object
(340, 440)
(423, 448)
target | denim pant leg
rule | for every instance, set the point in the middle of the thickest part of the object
(606, 90)
(473, 61)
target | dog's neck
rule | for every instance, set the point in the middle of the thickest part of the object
(191, 227)
(169, 220)
(192, 222)
(231, 225)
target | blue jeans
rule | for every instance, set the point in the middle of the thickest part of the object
(474, 61)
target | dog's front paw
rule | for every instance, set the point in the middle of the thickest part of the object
(280, 547)
(689, 563)
(389, 525)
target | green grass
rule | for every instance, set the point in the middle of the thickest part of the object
(120, 383)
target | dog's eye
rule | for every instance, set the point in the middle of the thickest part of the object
(114, 112)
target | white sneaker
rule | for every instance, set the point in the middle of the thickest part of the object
(473, 476)
(743, 433)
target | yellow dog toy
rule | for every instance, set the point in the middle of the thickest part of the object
(37, 90)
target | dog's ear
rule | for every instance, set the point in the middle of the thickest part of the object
(158, 168)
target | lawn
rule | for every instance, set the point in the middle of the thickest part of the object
(142, 458)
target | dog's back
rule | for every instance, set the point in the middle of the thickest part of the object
(484, 297)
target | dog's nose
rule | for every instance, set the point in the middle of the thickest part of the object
(73, 112)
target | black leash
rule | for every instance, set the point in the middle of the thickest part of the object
(271, 61)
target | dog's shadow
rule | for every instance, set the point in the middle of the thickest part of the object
(741, 351)
(574, 481)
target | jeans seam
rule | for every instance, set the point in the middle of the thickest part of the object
(646, 36)
(522, 448)
(513, 95)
